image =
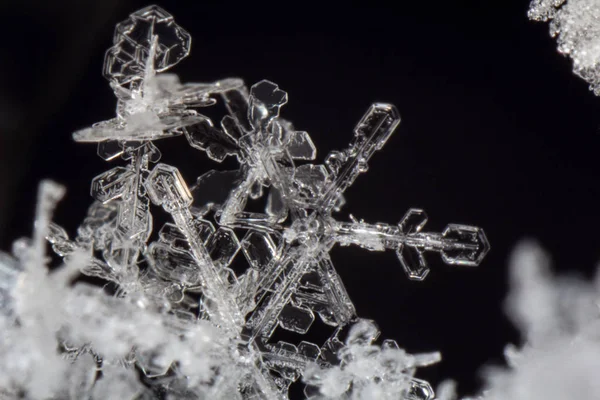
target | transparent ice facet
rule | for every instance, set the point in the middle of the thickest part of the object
(133, 41)
(222, 246)
(296, 319)
(468, 247)
(112, 184)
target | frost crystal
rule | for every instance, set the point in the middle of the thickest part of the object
(180, 317)
(576, 25)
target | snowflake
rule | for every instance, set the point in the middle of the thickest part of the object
(180, 314)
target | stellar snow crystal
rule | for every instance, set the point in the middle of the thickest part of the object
(181, 316)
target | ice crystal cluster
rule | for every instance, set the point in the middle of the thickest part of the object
(576, 25)
(175, 320)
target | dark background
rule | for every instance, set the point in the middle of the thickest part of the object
(496, 132)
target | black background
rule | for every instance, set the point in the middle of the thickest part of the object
(496, 132)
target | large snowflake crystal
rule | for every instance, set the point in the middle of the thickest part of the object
(180, 315)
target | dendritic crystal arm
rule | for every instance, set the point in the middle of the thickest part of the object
(167, 188)
(458, 244)
(370, 135)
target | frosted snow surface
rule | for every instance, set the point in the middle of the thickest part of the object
(576, 26)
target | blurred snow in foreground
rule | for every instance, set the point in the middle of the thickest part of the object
(558, 317)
